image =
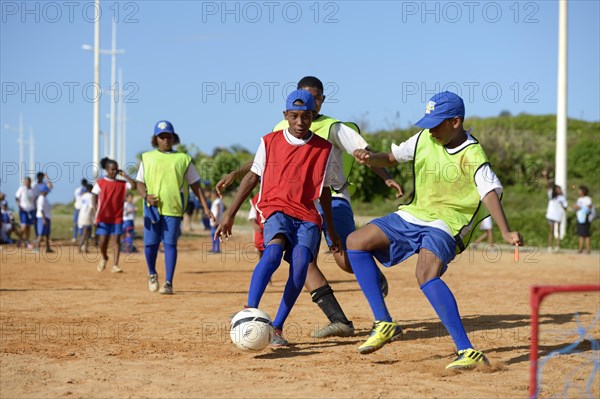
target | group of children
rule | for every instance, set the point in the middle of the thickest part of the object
(299, 171)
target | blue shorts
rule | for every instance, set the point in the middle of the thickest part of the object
(127, 224)
(343, 220)
(109, 229)
(406, 239)
(296, 232)
(27, 218)
(43, 229)
(167, 229)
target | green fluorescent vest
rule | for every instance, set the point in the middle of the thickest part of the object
(164, 175)
(321, 127)
(445, 187)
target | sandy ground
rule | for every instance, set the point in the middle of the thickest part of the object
(70, 331)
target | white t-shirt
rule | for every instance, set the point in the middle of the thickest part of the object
(252, 214)
(128, 211)
(217, 210)
(86, 210)
(43, 205)
(77, 195)
(485, 178)
(556, 207)
(585, 205)
(26, 198)
(260, 158)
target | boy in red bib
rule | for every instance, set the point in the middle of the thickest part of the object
(292, 166)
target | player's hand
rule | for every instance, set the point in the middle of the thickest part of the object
(336, 242)
(224, 229)
(222, 184)
(362, 156)
(513, 238)
(152, 199)
(391, 183)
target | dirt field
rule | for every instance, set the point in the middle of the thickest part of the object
(70, 331)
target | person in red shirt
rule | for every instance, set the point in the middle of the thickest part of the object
(109, 197)
(292, 166)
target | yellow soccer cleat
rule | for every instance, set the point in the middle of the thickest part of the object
(382, 333)
(467, 359)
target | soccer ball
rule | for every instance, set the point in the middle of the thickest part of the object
(251, 330)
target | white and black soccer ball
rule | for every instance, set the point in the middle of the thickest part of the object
(251, 330)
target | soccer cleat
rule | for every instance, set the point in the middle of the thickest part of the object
(116, 269)
(383, 284)
(467, 359)
(382, 333)
(101, 265)
(153, 282)
(278, 341)
(335, 329)
(167, 288)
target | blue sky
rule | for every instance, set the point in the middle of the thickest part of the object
(220, 71)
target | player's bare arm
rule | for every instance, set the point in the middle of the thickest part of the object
(493, 205)
(231, 177)
(246, 186)
(377, 159)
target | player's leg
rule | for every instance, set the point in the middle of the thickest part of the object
(267, 265)
(116, 239)
(429, 268)
(322, 294)
(152, 237)
(171, 233)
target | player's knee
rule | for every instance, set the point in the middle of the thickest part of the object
(355, 241)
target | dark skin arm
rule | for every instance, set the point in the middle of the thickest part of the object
(231, 177)
(248, 184)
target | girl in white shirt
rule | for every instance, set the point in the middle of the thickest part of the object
(557, 203)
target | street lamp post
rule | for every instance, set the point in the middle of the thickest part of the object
(21, 141)
(113, 53)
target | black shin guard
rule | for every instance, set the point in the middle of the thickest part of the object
(323, 296)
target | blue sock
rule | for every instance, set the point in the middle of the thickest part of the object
(262, 273)
(151, 252)
(170, 260)
(367, 274)
(444, 304)
(301, 257)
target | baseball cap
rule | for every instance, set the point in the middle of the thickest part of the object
(163, 127)
(444, 105)
(302, 95)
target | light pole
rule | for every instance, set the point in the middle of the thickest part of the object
(31, 151)
(113, 52)
(21, 142)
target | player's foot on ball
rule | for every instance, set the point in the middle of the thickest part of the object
(383, 332)
(153, 282)
(467, 359)
(278, 341)
(167, 288)
(335, 329)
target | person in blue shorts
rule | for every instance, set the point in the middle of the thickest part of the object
(293, 166)
(163, 178)
(453, 180)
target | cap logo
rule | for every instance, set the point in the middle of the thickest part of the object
(430, 106)
(162, 125)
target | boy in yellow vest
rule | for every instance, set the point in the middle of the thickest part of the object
(452, 178)
(345, 138)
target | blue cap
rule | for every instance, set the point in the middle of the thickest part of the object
(442, 106)
(303, 95)
(163, 127)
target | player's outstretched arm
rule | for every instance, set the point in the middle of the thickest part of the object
(492, 203)
(378, 159)
(388, 179)
(246, 186)
(231, 177)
